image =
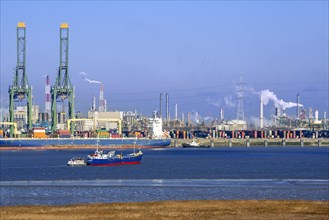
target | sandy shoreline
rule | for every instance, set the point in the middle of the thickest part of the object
(209, 209)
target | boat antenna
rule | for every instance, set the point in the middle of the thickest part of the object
(97, 140)
(135, 143)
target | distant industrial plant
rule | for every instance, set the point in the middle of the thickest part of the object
(59, 111)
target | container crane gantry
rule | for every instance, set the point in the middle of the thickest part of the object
(20, 89)
(63, 88)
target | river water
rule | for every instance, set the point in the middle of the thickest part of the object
(33, 177)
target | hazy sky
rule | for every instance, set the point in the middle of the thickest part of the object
(194, 50)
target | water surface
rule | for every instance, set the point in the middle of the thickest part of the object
(42, 177)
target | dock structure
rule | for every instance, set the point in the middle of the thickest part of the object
(234, 142)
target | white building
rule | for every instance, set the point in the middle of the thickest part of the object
(101, 120)
(155, 125)
(233, 125)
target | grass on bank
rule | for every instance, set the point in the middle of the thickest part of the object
(248, 209)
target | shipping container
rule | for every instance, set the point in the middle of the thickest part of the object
(63, 131)
(39, 135)
(93, 135)
(39, 129)
(103, 135)
(64, 136)
(115, 136)
(39, 132)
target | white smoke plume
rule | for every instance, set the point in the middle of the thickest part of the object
(250, 90)
(194, 117)
(89, 80)
(267, 96)
(213, 102)
(209, 118)
(229, 101)
(255, 121)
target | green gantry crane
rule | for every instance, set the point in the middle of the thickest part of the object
(62, 88)
(20, 89)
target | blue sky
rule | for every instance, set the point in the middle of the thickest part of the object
(194, 50)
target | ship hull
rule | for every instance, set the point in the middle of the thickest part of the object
(106, 142)
(187, 145)
(126, 160)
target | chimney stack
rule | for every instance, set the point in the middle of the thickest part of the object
(93, 104)
(310, 113)
(101, 99)
(47, 97)
(176, 112)
(167, 105)
(261, 115)
(221, 114)
(316, 115)
(298, 101)
(160, 111)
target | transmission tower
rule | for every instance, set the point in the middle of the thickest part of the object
(20, 89)
(240, 115)
(63, 88)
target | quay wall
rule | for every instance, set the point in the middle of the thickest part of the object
(265, 142)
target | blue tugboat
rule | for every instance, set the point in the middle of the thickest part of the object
(100, 158)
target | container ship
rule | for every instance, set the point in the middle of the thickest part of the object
(67, 142)
(63, 138)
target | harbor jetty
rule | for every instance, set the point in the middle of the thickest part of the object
(264, 142)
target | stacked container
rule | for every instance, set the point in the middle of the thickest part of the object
(64, 133)
(115, 135)
(103, 134)
(39, 132)
(137, 134)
